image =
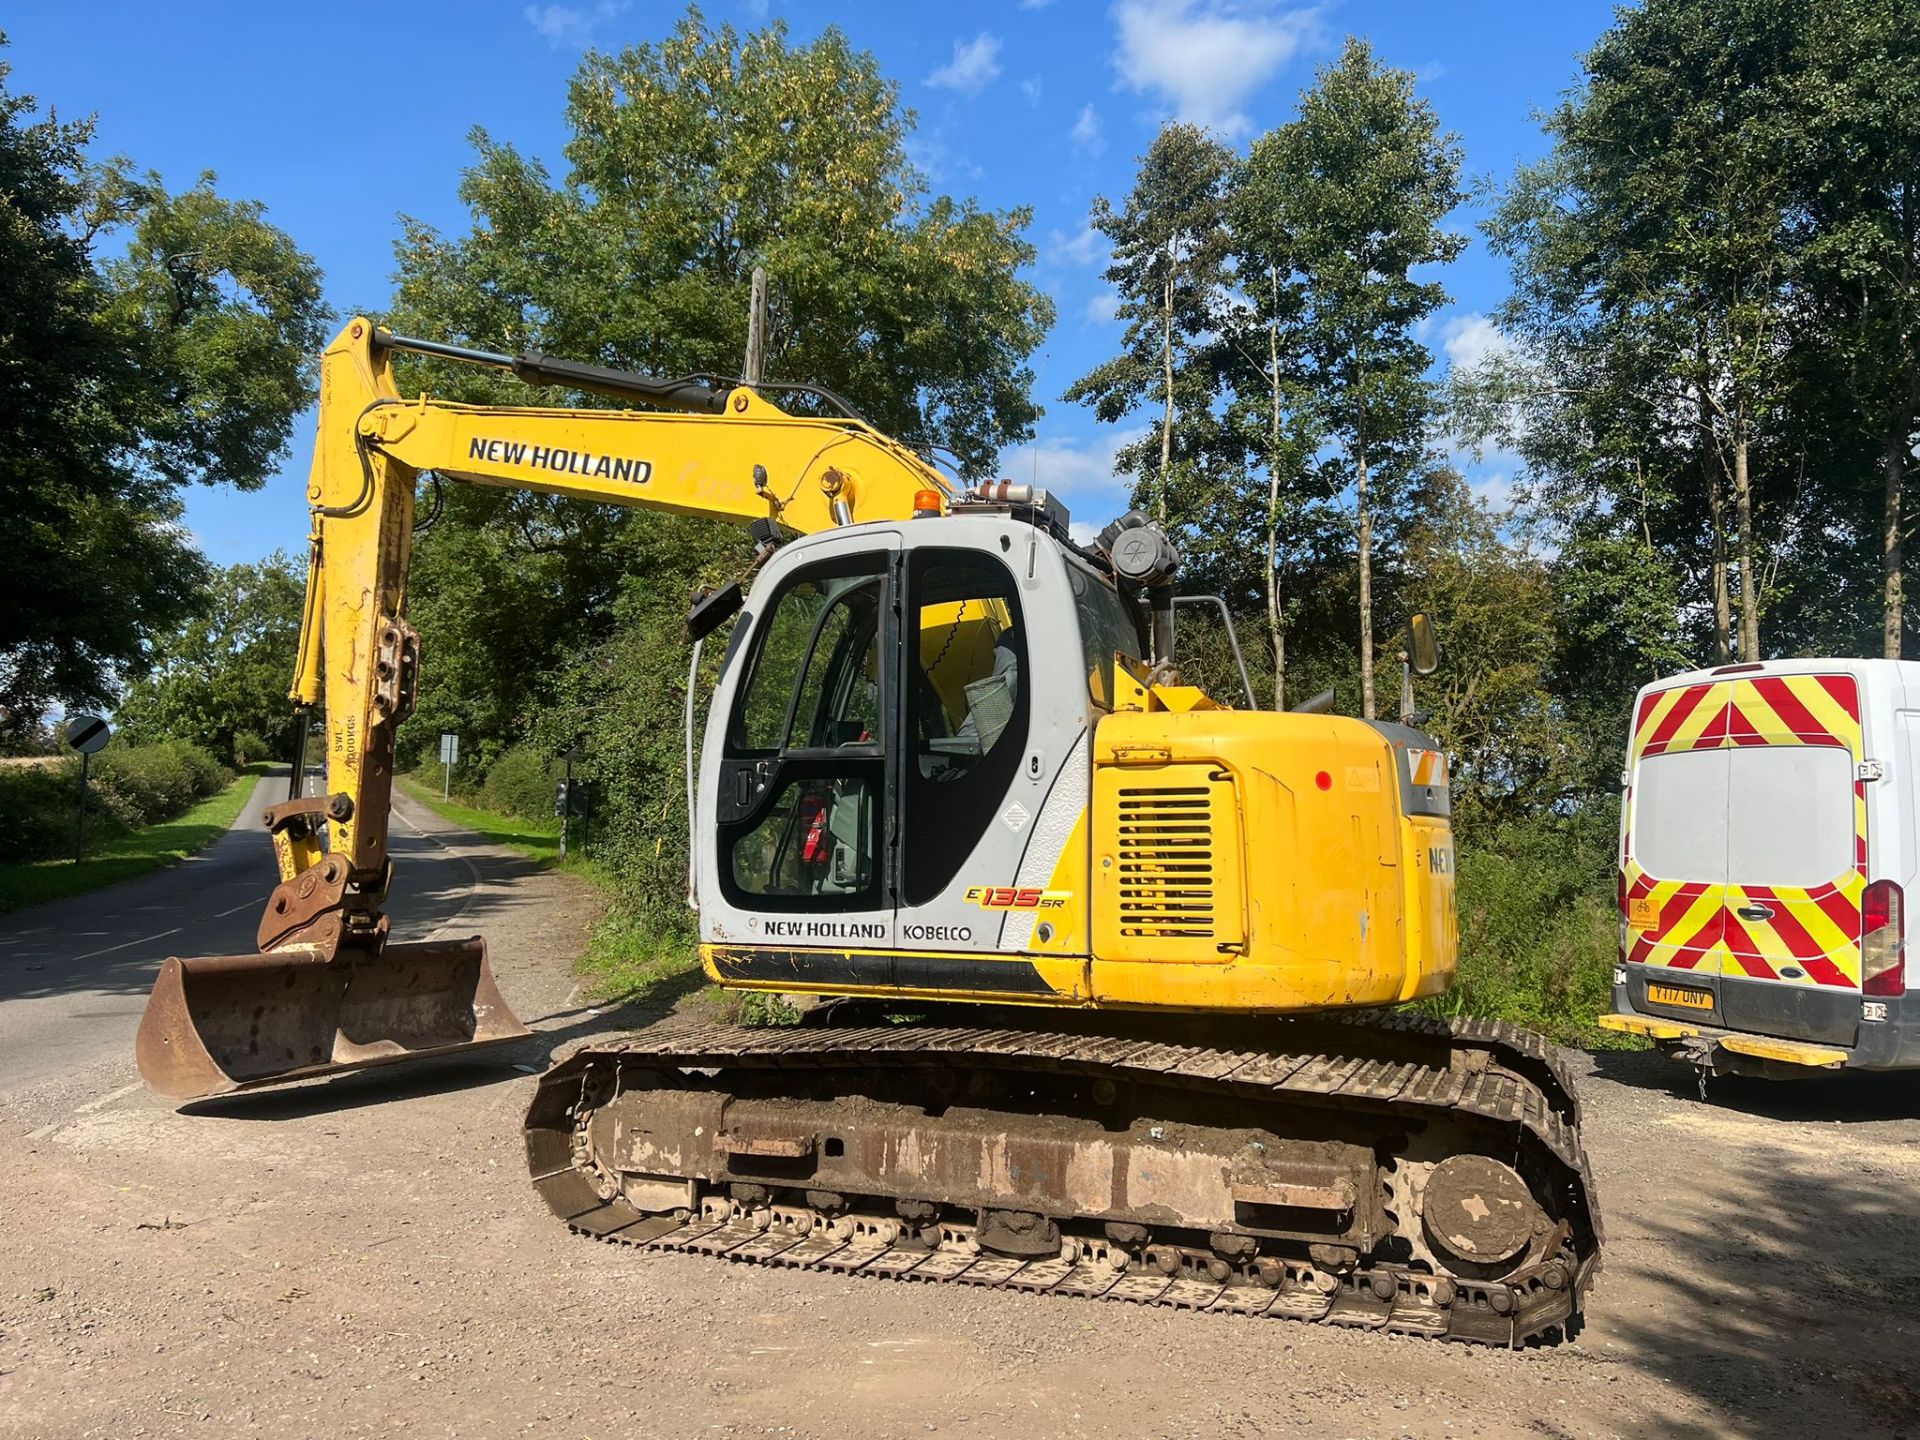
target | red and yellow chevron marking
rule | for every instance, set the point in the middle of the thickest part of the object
(1695, 926)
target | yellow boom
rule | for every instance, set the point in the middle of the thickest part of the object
(327, 991)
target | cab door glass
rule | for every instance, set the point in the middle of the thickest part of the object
(816, 680)
(803, 780)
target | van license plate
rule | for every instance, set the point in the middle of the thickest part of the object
(1675, 995)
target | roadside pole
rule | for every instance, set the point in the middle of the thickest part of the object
(754, 370)
(85, 733)
(449, 753)
(566, 796)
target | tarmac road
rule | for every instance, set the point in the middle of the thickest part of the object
(74, 973)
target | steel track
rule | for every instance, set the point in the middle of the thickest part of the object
(1505, 1080)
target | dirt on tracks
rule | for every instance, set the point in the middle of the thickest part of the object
(366, 1256)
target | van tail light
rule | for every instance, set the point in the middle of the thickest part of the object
(1883, 945)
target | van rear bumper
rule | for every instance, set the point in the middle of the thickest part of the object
(1812, 1021)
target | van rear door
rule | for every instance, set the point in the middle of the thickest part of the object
(1796, 857)
(1674, 847)
(1743, 859)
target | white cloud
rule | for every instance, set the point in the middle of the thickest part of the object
(1207, 57)
(573, 24)
(1031, 89)
(1035, 4)
(940, 161)
(1467, 339)
(1494, 488)
(1087, 247)
(975, 63)
(1082, 471)
(1102, 308)
(1086, 136)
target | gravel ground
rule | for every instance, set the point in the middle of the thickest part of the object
(365, 1256)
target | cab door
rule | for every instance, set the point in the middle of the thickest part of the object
(800, 864)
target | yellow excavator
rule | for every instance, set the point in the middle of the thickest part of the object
(1106, 965)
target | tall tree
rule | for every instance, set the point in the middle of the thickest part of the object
(1861, 181)
(689, 162)
(1169, 270)
(226, 670)
(1355, 192)
(1274, 402)
(152, 341)
(1656, 253)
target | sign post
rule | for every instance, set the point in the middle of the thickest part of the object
(449, 753)
(566, 794)
(85, 733)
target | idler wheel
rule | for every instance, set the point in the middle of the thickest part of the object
(1478, 1212)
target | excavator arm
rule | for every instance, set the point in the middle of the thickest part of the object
(327, 991)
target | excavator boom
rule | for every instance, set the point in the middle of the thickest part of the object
(328, 990)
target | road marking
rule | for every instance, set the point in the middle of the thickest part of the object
(472, 869)
(121, 1093)
(158, 935)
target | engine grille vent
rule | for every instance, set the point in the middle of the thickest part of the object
(1166, 860)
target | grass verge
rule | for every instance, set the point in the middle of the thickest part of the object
(124, 853)
(628, 961)
(538, 840)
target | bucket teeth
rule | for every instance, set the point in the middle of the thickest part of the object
(219, 1023)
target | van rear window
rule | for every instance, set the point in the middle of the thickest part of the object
(1680, 816)
(1789, 815)
(1754, 815)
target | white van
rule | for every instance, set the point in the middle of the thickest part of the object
(1769, 830)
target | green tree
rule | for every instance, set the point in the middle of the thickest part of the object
(1492, 704)
(1274, 405)
(693, 160)
(226, 671)
(152, 341)
(1655, 254)
(1351, 196)
(689, 162)
(1169, 271)
(1860, 174)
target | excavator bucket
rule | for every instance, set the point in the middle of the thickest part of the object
(219, 1023)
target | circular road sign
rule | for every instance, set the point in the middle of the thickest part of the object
(87, 733)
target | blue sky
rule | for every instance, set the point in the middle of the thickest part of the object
(341, 117)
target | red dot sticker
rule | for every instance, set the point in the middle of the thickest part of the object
(1323, 780)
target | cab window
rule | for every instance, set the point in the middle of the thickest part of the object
(802, 782)
(816, 681)
(1106, 629)
(968, 694)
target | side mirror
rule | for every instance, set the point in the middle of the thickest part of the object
(1423, 645)
(713, 609)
